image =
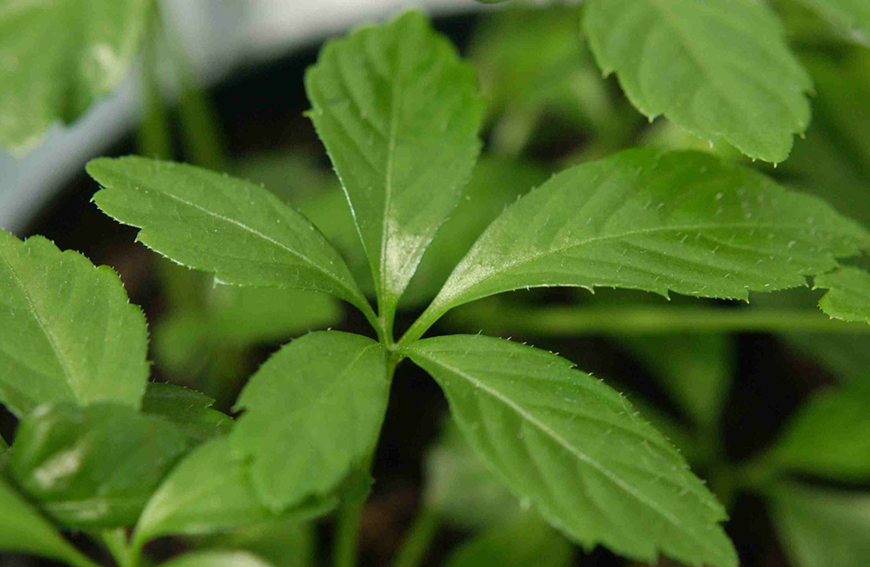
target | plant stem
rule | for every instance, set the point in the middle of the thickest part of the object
(500, 317)
(154, 138)
(116, 542)
(418, 540)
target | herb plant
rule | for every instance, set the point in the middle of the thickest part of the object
(101, 450)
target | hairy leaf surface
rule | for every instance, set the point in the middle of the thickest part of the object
(719, 68)
(848, 296)
(93, 467)
(57, 58)
(211, 491)
(822, 527)
(312, 411)
(67, 330)
(232, 228)
(655, 221)
(188, 409)
(576, 449)
(399, 114)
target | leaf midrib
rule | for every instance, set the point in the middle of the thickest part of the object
(613, 477)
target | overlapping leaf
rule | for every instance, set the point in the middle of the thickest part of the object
(67, 330)
(848, 296)
(719, 68)
(56, 58)
(94, 467)
(576, 449)
(232, 228)
(399, 113)
(655, 221)
(188, 409)
(311, 412)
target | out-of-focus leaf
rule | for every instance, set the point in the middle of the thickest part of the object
(67, 330)
(576, 449)
(210, 491)
(848, 296)
(284, 543)
(829, 436)
(187, 409)
(398, 112)
(218, 559)
(57, 58)
(850, 15)
(312, 411)
(93, 467)
(822, 527)
(525, 541)
(719, 68)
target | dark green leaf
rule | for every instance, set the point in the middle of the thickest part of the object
(848, 296)
(655, 221)
(189, 410)
(93, 467)
(850, 15)
(212, 222)
(67, 330)
(399, 114)
(576, 449)
(285, 543)
(719, 68)
(311, 412)
(823, 527)
(57, 58)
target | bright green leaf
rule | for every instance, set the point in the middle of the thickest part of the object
(24, 530)
(829, 436)
(93, 467)
(217, 559)
(311, 412)
(822, 527)
(655, 221)
(399, 114)
(212, 222)
(211, 491)
(57, 58)
(851, 15)
(848, 296)
(189, 410)
(67, 330)
(526, 541)
(285, 543)
(576, 449)
(719, 68)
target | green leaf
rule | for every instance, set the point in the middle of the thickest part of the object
(24, 530)
(189, 410)
(210, 491)
(57, 58)
(398, 113)
(217, 559)
(576, 450)
(718, 68)
(93, 467)
(285, 543)
(67, 330)
(312, 412)
(829, 436)
(526, 541)
(655, 221)
(822, 527)
(211, 222)
(851, 15)
(695, 369)
(848, 297)
(459, 486)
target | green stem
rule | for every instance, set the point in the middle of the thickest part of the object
(418, 540)
(116, 542)
(500, 317)
(154, 137)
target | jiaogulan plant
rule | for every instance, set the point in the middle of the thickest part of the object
(537, 456)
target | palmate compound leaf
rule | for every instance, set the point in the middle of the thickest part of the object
(718, 68)
(57, 58)
(235, 229)
(576, 450)
(94, 467)
(655, 221)
(312, 411)
(848, 296)
(210, 491)
(398, 112)
(67, 330)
